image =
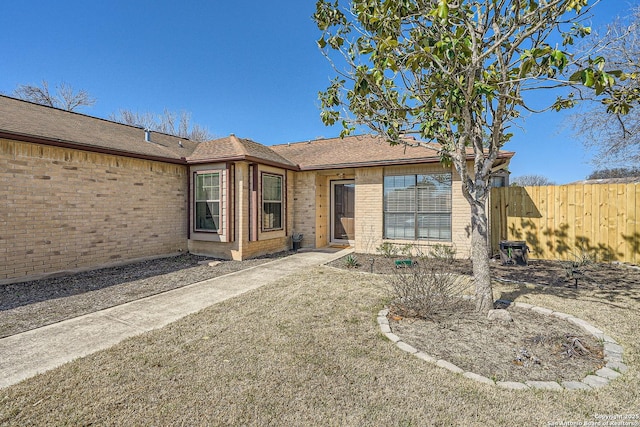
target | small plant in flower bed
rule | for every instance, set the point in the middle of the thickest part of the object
(443, 253)
(351, 261)
(387, 250)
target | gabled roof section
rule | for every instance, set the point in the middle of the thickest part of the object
(232, 148)
(360, 151)
(26, 121)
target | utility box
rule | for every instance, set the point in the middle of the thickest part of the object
(514, 252)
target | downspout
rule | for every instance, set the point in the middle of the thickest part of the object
(188, 204)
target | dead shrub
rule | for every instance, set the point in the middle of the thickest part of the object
(428, 290)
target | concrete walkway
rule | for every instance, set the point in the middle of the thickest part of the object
(27, 354)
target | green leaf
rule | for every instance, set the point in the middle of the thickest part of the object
(587, 78)
(443, 10)
(577, 76)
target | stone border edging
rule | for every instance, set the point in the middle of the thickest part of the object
(612, 355)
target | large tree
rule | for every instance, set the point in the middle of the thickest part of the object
(64, 97)
(454, 72)
(616, 139)
(178, 124)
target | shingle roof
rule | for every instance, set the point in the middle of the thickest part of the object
(36, 123)
(232, 148)
(22, 118)
(359, 151)
(625, 180)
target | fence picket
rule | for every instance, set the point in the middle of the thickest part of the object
(562, 222)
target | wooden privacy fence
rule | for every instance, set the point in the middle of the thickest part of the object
(570, 221)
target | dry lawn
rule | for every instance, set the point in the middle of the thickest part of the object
(307, 351)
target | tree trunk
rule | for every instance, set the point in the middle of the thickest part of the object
(480, 258)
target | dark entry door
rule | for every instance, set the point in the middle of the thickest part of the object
(343, 211)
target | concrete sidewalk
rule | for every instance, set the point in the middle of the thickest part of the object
(27, 354)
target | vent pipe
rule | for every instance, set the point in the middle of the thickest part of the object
(147, 135)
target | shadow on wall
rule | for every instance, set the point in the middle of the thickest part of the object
(559, 243)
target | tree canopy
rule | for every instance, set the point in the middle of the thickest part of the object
(616, 138)
(454, 72)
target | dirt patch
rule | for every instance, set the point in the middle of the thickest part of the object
(30, 305)
(533, 347)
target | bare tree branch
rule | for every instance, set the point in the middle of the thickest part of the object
(617, 141)
(178, 124)
(65, 98)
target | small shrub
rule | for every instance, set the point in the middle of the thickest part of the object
(351, 261)
(428, 291)
(387, 250)
(444, 253)
(406, 250)
(575, 268)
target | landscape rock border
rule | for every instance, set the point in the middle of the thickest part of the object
(613, 352)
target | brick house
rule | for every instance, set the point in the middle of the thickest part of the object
(81, 192)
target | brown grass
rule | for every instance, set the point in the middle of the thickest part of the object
(307, 351)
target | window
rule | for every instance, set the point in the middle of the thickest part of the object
(207, 201)
(417, 207)
(271, 202)
(499, 179)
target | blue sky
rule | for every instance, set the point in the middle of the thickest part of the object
(246, 67)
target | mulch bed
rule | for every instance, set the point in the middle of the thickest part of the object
(602, 276)
(533, 347)
(30, 305)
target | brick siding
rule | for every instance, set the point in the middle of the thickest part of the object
(67, 209)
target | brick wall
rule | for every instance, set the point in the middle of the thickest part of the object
(369, 218)
(304, 207)
(267, 241)
(66, 209)
(369, 209)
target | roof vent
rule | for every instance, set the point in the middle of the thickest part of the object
(147, 135)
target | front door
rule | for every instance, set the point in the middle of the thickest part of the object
(343, 211)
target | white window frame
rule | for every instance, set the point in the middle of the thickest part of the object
(218, 201)
(411, 213)
(267, 221)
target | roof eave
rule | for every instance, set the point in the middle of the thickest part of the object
(393, 162)
(90, 148)
(242, 158)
